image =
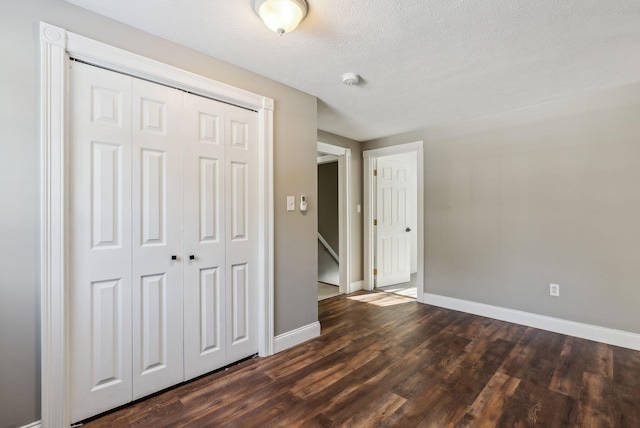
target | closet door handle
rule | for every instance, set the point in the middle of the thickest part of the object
(192, 257)
(174, 257)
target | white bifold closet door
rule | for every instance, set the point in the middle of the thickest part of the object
(220, 232)
(99, 221)
(157, 210)
(162, 237)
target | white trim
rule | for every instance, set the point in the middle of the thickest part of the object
(116, 59)
(557, 325)
(52, 231)
(56, 47)
(369, 157)
(393, 150)
(295, 337)
(357, 286)
(36, 424)
(344, 211)
(327, 159)
(330, 149)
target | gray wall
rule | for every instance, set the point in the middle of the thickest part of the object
(328, 204)
(547, 194)
(356, 198)
(295, 138)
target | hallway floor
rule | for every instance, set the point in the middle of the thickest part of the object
(406, 289)
(326, 291)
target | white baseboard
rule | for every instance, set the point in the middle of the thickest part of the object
(596, 333)
(295, 337)
(37, 424)
(356, 286)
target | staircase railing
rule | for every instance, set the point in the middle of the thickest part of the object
(326, 245)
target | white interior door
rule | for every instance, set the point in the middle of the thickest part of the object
(393, 241)
(241, 171)
(205, 236)
(157, 237)
(99, 242)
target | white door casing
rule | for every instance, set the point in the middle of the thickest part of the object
(393, 243)
(344, 212)
(100, 241)
(157, 235)
(57, 46)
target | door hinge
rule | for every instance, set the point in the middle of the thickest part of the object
(375, 271)
(375, 172)
(375, 222)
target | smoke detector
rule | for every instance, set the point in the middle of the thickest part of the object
(350, 79)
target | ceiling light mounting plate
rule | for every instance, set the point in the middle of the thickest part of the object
(350, 79)
(281, 16)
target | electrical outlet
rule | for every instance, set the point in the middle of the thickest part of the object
(554, 290)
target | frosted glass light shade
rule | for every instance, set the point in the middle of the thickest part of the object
(281, 16)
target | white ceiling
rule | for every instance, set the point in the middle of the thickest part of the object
(423, 63)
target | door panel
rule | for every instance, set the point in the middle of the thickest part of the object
(153, 182)
(393, 257)
(157, 236)
(239, 201)
(210, 311)
(204, 233)
(209, 198)
(99, 241)
(240, 297)
(106, 201)
(241, 160)
(154, 353)
(105, 332)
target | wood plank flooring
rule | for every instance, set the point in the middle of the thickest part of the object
(384, 360)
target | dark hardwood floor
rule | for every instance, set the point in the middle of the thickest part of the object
(384, 360)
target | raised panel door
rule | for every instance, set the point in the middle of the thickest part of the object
(99, 241)
(205, 236)
(393, 242)
(241, 163)
(157, 237)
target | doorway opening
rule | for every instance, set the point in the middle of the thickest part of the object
(333, 220)
(393, 205)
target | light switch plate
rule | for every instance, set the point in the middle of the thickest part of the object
(291, 203)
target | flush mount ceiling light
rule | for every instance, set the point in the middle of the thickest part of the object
(281, 16)
(350, 79)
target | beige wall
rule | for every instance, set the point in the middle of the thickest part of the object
(356, 198)
(547, 194)
(295, 138)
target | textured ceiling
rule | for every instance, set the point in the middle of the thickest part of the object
(423, 63)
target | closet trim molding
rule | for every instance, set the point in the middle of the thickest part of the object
(57, 47)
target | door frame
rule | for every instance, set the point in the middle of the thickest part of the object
(57, 47)
(369, 157)
(344, 219)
